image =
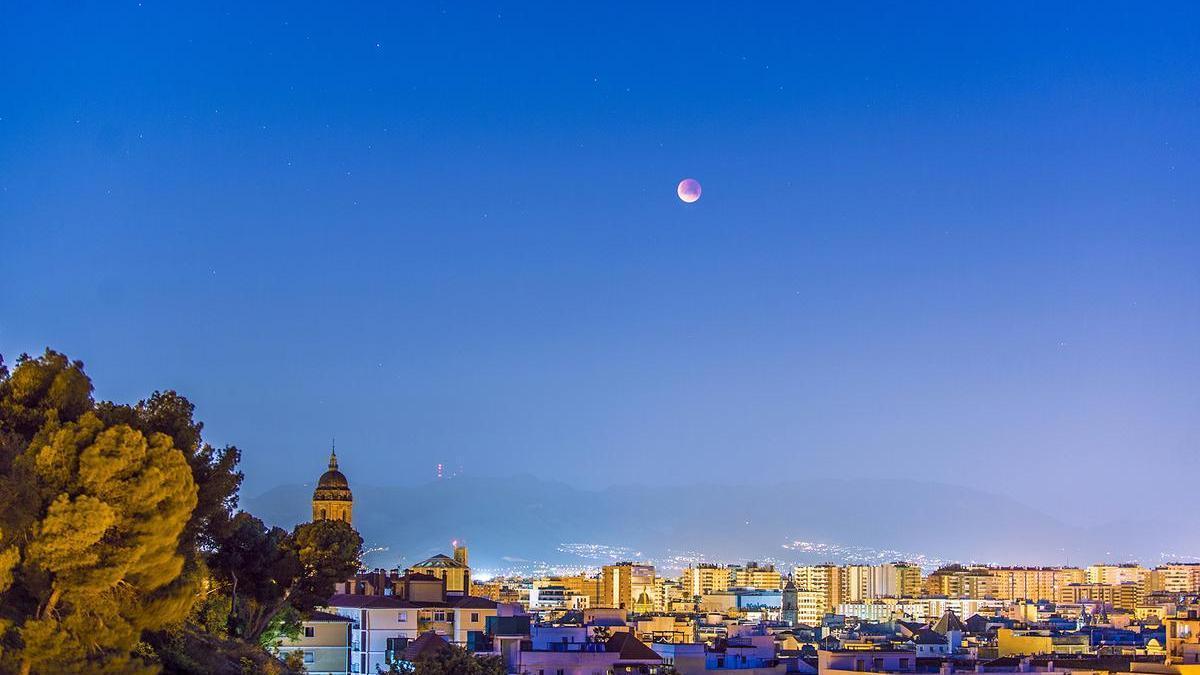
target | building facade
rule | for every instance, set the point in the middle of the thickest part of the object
(623, 583)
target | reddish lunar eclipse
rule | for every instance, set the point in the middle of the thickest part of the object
(688, 190)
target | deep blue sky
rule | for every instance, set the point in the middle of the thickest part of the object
(937, 240)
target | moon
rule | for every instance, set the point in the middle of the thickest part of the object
(688, 190)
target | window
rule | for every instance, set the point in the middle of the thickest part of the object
(310, 631)
(474, 617)
(403, 617)
(309, 657)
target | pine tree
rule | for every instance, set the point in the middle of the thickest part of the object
(91, 517)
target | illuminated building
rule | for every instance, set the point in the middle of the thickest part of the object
(1127, 596)
(1118, 574)
(1011, 642)
(754, 575)
(669, 593)
(801, 606)
(665, 629)
(622, 583)
(704, 578)
(324, 642)
(907, 579)
(1183, 638)
(919, 609)
(957, 581)
(1033, 583)
(454, 571)
(332, 499)
(499, 589)
(388, 610)
(581, 586)
(1176, 578)
(544, 596)
(868, 582)
(825, 579)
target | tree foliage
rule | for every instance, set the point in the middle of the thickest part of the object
(90, 520)
(213, 469)
(454, 660)
(120, 551)
(450, 660)
(269, 570)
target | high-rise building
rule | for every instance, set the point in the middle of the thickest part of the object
(958, 581)
(621, 584)
(810, 607)
(754, 575)
(1176, 578)
(704, 578)
(908, 580)
(669, 591)
(1118, 574)
(1033, 583)
(332, 499)
(1125, 596)
(824, 579)
(868, 582)
(582, 586)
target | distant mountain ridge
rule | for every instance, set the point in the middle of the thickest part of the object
(525, 520)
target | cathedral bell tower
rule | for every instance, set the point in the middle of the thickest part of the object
(332, 499)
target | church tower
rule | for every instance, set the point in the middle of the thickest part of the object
(332, 499)
(790, 603)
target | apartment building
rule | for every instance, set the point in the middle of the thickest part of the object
(755, 575)
(704, 578)
(825, 579)
(622, 584)
(1176, 578)
(1033, 583)
(324, 643)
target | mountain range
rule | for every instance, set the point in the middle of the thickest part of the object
(525, 523)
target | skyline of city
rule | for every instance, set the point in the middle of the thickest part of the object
(619, 338)
(756, 617)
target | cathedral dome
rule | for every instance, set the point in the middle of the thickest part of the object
(332, 485)
(333, 479)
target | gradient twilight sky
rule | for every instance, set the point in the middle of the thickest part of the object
(954, 241)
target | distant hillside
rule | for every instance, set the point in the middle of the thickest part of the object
(522, 520)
